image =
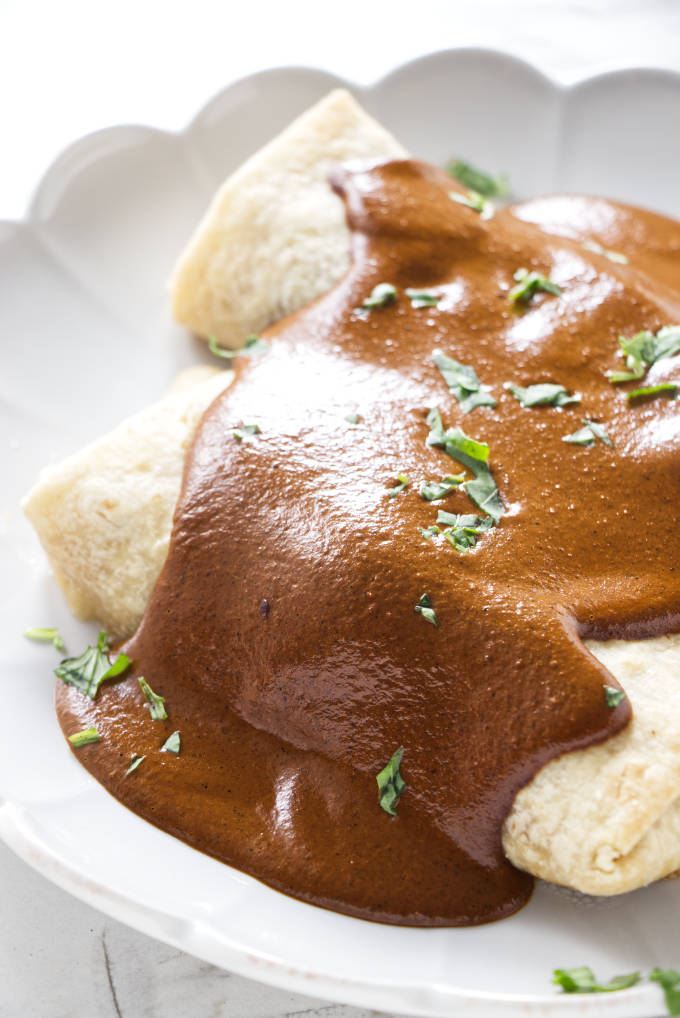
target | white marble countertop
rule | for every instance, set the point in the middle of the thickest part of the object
(71, 67)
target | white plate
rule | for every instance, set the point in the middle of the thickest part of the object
(87, 339)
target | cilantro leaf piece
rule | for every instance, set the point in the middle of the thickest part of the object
(380, 296)
(245, 431)
(352, 418)
(582, 980)
(530, 283)
(134, 764)
(93, 667)
(588, 433)
(428, 532)
(668, 979)
(391, 784)
(474, 200)
(644, 349)
(476, 180)
(84, 738)
(253, 347)
(45, 636)
(650, 391)
(542, 394)
(424, 608)
(463, 531)
(473, 455)
(613, 256)
(613, 697)
(403, 484)
(171, 744)
(156, 702)
(422, 298)
(463, 382)
(433, 490)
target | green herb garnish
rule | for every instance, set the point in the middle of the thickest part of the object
(403, 484)
(650, 391)
(613, 256)
(432, 490)
(588, 433)
(473, 455)
(463, 382)
(391, 783)
(253, 347)
(93, 667)
(134, 764)
(423, 298)
(428, 532)
(424, 608)
(476, 180)
(463, 531)
(246, 431)
(582, 980)
(668, 979)
(171, 744)
(644, 349)
(474, 200)
(45, 636)
(529, 283)
(380, 296)
(613, 697)
(84, 738)
(542, 394)
(352, 418)
(156, 702)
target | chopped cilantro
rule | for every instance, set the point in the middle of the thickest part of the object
(476, 180)
(463, 531)
(245, 431)
(613, 697)
(45, 636)
(644, 349)
(403, 484)
(529, 283)
(391, 784)
(134, 764)
(423, 298)
(380, 296)
(428, 532)
(424, 608)
(432, 490)
(474, 200)
(463, 382)
(171, 744)
(473, 455)
(253, 347)
(582, 980)
(613, 256)
(84, 738)
(668, 980)
(650, 391)
(93, 667)
(588, 433)
(542, 394)
(156, 702)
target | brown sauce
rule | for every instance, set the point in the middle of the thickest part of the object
(288, 712)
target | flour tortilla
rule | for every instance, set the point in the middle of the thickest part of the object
(274, 236)
(602, 820)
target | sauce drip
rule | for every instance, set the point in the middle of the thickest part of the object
(282, 631)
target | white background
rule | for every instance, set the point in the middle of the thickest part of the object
(70, 66)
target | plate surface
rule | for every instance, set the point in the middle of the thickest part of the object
(88, 340)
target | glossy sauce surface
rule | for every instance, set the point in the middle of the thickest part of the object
(282, 631)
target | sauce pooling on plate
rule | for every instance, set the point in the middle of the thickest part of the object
(310, 620)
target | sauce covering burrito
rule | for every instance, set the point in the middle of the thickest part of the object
(428, 537)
